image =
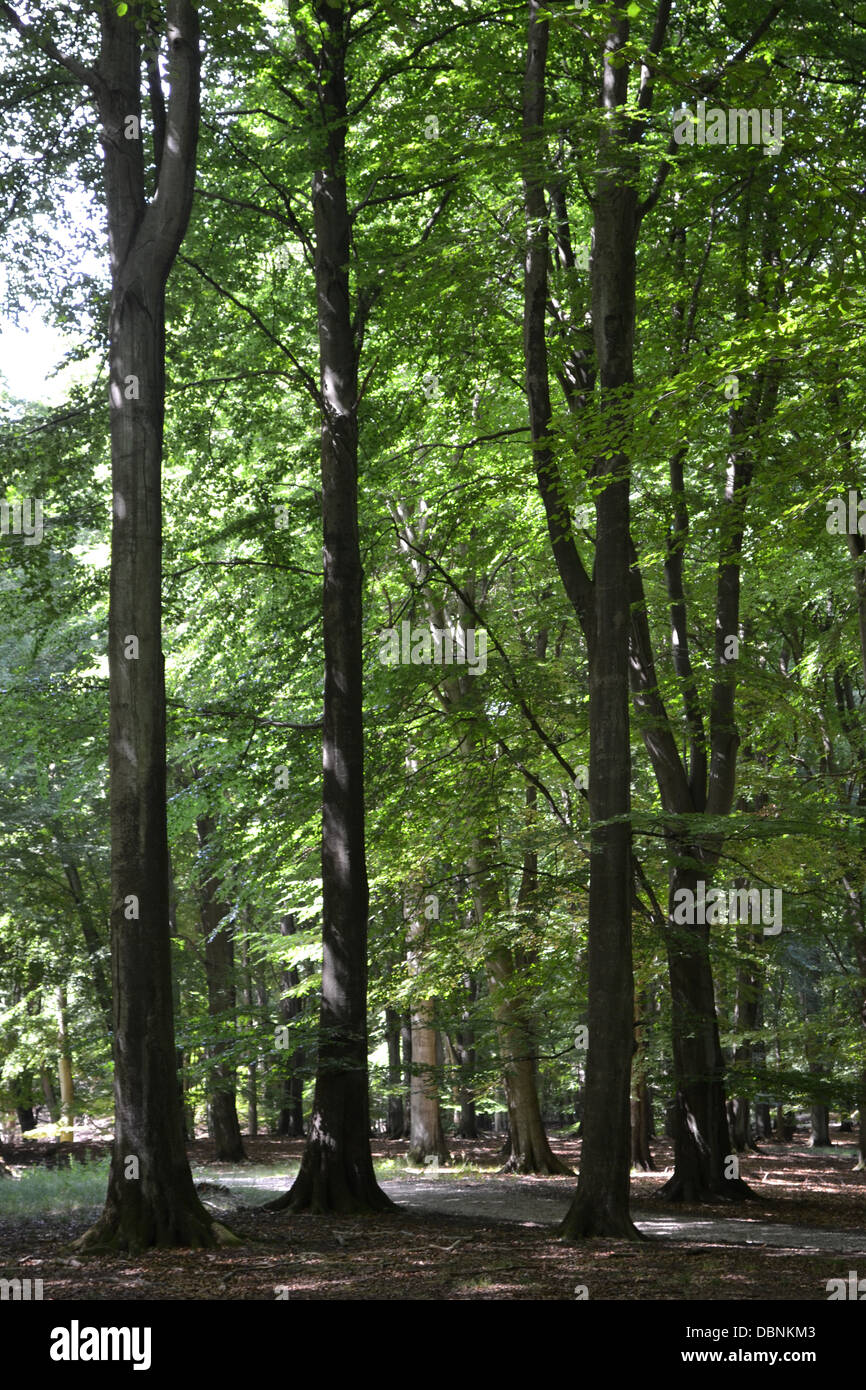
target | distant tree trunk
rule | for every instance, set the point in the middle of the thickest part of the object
(763, 1120)
(88, 928)
(291, 1118)
(819, 1128)
(221, 999)
(66, 1132)
(426, 1136)
(745, 1022)
(529, 1150)
(860, 947)
(464, 1047)
(396, 1118)
(406, 1054)
(337, 1168)
(641, 1111)
(702, 1139)
(641, 1155)
(187, 1111)
(50, 1094)
(26, 1117)
(252, 1092)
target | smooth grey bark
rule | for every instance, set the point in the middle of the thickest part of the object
(337, 1167)
(159, 1205)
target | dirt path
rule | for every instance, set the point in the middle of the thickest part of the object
(534, 1203)
(544, 1202)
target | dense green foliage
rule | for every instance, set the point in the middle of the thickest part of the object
(751, 265)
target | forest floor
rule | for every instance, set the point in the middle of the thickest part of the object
(465, 1232)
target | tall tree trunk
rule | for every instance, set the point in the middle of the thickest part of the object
(601, 1203)
(337, 1168)
(151, 1199)
(221, 1005)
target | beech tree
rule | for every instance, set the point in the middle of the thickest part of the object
(151, 1199)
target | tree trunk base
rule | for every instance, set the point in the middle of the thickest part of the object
(185, 1230)
(587, 1218)
(328, 1196)
(326, 1190)
(548, 1167)
(231, 1153)
(643, 1165)
(418, 1157)
(693, 1192)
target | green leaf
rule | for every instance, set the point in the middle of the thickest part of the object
(633, 10)
(121, 10)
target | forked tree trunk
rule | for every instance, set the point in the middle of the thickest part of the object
(151, 1199)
